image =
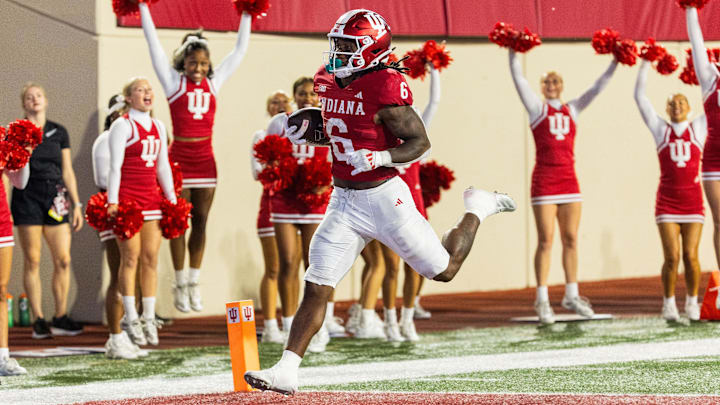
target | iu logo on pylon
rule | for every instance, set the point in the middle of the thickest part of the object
(198, 103)
(150, 150)
(680, 152)
(559, 125)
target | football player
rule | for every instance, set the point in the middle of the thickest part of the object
(367, 113)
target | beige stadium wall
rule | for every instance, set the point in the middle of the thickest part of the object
(480, 131)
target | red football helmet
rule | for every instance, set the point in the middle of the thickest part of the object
(371, 35)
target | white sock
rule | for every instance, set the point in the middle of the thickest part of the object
(181, 277)
(193, 276)
(289, 360)
(689, 299)
(390, 316)
(417, 301)
(571, 290)
(330, 311)
(4, 353)
(271, 324)
(148, 307)
(287, 322)
(115, 337)
(406, 314)
(367, 315)
(129, 306)
(669, 301)
(542, 294)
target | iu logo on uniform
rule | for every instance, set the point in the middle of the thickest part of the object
(150, 150)
(198, 103)
(559, 125)
(680, 152)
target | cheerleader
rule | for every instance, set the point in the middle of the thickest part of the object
(289, 216)
(277, 103)
(118, 345)
(19, 179)
(679, 211)
(555, 192)
(411, 287)
(707, 74)
(138, 163)
(191, 86)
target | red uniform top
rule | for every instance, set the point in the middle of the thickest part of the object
(711, 156)
(411, 176)
(554, 133)
(348, 117)
(192, 108)
(138, 179)
(679, 192)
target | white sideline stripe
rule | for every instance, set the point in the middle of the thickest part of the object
(381, 371)
(367, 372)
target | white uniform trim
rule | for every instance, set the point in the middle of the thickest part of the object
(200, 183)
(152, 215)
(296, 218)
(680, 219)
(266, 232)
(556, 199)
(106, 235)
(180, 91)
(541, 117)
(711, 176)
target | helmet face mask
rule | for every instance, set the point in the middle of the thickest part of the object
(371, 36)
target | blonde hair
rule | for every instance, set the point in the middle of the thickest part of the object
(551, 73)
(672, 97)
(127, 88)
(26, 87)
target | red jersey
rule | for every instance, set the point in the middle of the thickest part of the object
(348, 117)
(192, 108)
(679, 195)
(554, 173)
(138, 179)
(711, 154)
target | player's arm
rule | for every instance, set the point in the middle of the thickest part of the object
(704, 70)
(233, 60)
(404, 123)
(169, 78)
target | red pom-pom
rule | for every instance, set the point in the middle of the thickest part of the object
(652, 51)
(15, 156)
(96, 212)
(437, 54)
(256, 8)
(128, 7)
(392, 58)
(433, 178)
(688, 74)
(24, 133)
(692, 3)
(603, 41)
(273, 148)
(667, 64)
(177, 177)
(525, 41)
(415, 61)
(313, 175)
(128, 221)
(503, 34)
(280, 175)
(175, 218)
(625, 52)
(506, 36)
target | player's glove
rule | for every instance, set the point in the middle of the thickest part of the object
(294, 134)
(364, 160)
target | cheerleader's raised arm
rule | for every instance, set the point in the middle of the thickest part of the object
(533, 104)
(579, 104)
(706, 72)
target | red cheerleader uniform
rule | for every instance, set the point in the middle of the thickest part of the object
(192, 109)
(138, 181)
(553, 179)
(711, 152)
(679, 195)
(411, 176)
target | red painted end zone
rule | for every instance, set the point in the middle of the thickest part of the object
(369, 398)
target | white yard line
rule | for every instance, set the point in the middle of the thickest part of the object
(366, 372)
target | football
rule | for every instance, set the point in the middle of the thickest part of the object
(310, 121)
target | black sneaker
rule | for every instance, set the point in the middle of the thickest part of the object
(64, 326)
(41, 329)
